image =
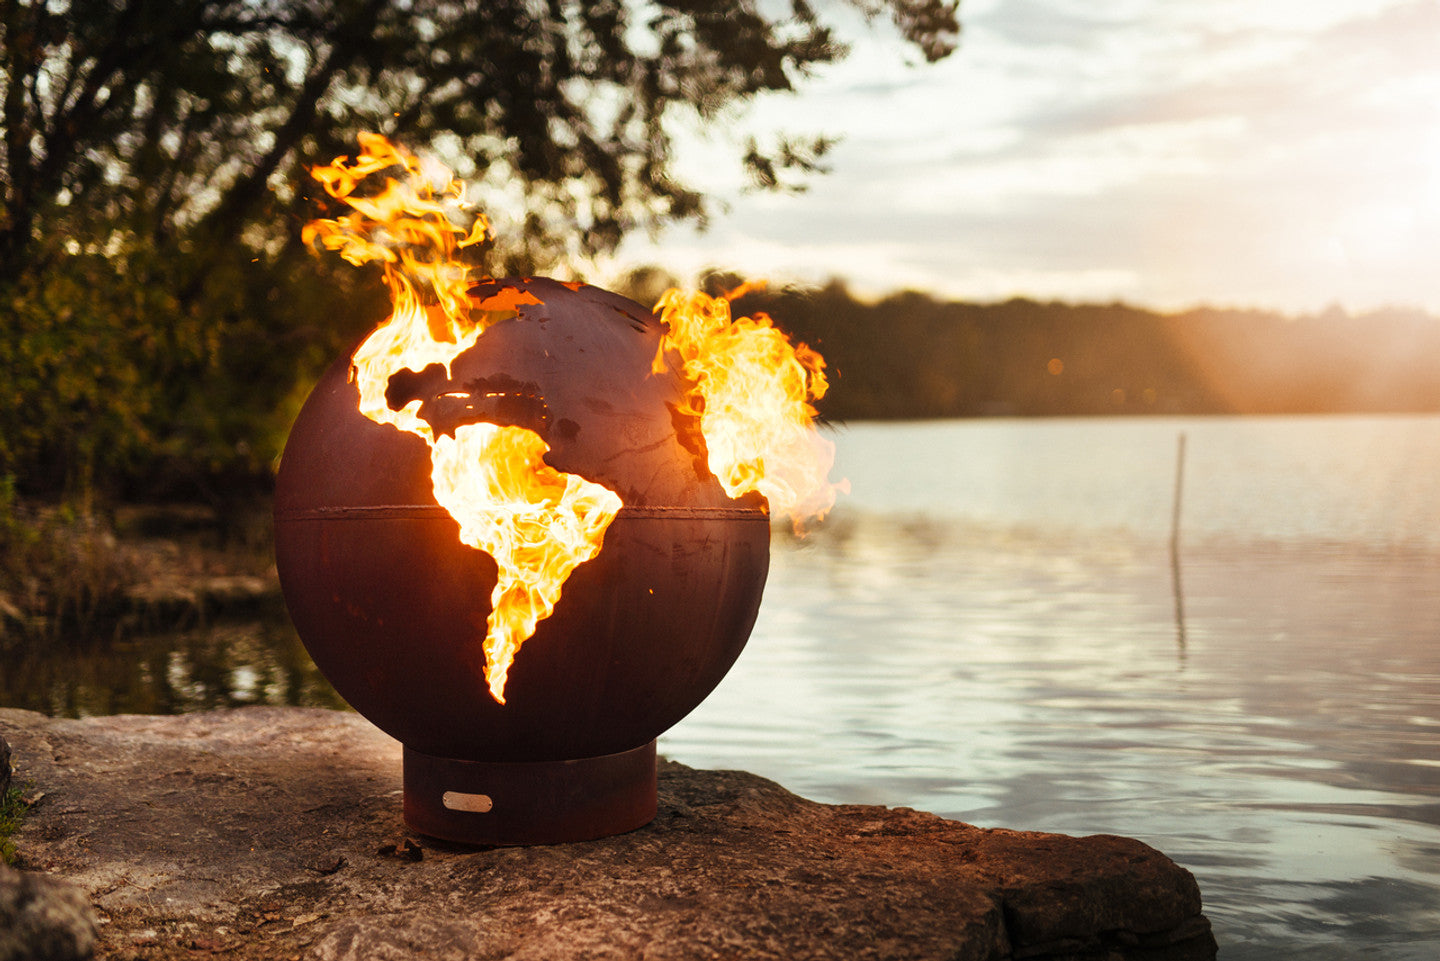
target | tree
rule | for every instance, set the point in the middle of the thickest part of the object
(159, 146)
(158, 117)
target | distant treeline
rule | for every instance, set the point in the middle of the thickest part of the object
(911, 356)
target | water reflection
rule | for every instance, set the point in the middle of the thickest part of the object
(1288, 753)
(226, 664)
(990, 632)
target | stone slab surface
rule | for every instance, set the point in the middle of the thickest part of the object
(276, 833)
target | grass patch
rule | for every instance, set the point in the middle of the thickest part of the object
(12, 812)
(75, 571)
(59, 565)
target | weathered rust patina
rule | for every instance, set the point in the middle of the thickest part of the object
(393, 607)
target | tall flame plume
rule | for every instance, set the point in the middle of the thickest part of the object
(538, 523)
(753, 391)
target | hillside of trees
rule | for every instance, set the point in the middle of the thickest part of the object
(911, 356)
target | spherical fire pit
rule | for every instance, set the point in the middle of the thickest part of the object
(392, 605)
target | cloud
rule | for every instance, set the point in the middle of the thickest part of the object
(1283, 154)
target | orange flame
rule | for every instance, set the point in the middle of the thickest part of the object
(538, 523)
(752, 390)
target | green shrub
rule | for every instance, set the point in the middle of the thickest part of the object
(12, 812)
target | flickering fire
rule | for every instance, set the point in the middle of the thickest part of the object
(752, 392)
(538, 523)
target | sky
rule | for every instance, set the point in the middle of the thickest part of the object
(1282, 155)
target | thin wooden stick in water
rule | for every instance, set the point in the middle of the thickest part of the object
(1179, 490)
(1175, 542)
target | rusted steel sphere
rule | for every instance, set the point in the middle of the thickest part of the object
(392, 606)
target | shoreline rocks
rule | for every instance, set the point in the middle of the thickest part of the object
(43, 918)
(276, 833)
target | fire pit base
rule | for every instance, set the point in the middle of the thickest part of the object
(529, 802)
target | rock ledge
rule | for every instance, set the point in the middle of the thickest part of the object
(276, 833)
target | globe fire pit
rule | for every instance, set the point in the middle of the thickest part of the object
(508, 463)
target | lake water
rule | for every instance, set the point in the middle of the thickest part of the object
(992, 628)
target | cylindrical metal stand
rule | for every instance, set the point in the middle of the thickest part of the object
(529, 802)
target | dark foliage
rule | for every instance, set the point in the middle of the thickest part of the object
(160, 319)
(911, 356)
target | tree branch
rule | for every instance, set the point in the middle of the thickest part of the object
(17, 196)
(250, 187)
